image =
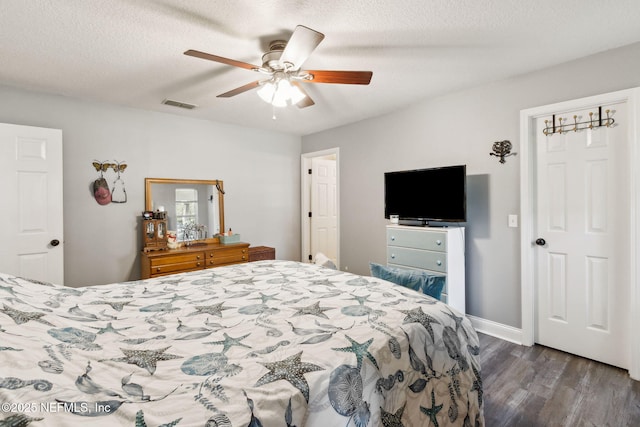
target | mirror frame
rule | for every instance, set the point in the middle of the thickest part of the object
(215, 182)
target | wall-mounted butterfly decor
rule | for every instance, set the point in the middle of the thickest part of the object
(103, 167)
(118, 192)
(101, 191)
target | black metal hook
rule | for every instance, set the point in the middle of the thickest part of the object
(219, 188)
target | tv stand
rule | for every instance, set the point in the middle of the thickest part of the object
(436, 250)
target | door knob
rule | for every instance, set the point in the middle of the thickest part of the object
(541, 242)
(55, 242)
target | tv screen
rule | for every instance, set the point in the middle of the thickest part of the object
(435, 194)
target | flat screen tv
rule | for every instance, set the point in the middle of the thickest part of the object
(427, 195)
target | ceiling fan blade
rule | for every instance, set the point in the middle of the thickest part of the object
(343, 77)
(303, 41)
(306, 101)
(210, 57)
(239, 90)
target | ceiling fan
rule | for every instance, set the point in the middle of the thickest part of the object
(282, 66)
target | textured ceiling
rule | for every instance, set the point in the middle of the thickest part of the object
(130, 52)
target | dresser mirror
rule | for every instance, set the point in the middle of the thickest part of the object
(194, 208)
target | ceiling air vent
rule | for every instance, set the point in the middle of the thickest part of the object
(179, 104)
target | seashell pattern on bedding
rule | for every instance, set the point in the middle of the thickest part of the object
(273, 343)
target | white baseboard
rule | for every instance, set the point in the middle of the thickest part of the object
(498, 330)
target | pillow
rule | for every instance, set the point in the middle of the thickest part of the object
(421, 281)
(323, 261)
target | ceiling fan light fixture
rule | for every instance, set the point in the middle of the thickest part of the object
(292, 94)
(280, 93)
(296, 94)
(267, 91)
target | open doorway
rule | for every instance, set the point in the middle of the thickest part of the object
(320, 208)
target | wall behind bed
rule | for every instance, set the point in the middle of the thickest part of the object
(260, 171)
(459, 128)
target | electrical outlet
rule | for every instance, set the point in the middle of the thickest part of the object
(513, 220)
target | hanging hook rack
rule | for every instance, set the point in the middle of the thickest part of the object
(563, 126)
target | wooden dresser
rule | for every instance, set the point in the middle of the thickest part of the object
(198, 257)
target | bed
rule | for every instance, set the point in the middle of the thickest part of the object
(267, 343)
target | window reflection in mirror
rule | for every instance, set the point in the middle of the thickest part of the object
(186, 208)
(194, 208)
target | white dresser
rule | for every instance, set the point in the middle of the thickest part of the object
(437, 250)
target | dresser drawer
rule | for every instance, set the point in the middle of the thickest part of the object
(417, 258)
(445, 290)
(198, 257)
(444, 298)
(227, 256)
(430, 240)
(188, 257)
(176, 263)
(176, 268)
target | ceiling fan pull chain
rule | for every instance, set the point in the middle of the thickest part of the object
(273, 109)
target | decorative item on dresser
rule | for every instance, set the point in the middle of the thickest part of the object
(439, 250)
(154, 234)
(194, 257)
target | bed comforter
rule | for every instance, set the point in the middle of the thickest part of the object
(270, 343)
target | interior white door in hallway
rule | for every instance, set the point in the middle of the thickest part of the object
(31, 222)
(583, 228)
(324, 215)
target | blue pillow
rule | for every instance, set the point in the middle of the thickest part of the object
(421, 281)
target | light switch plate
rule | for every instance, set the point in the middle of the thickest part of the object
(513, 220)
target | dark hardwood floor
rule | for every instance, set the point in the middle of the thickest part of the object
(540, 386)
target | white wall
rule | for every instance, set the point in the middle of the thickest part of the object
(260, 171)
(459, 129)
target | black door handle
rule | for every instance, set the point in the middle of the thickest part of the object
(541, 242)
(55, 242)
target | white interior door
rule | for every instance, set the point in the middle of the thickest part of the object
(31, 194)
(583, 215)
(324, 215)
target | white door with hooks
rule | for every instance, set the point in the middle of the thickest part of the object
(31, 192)
(582, 247)
(580, 237)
